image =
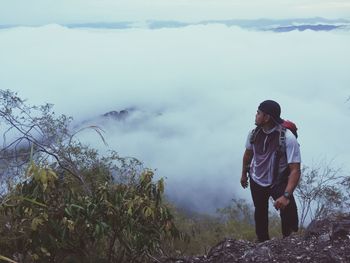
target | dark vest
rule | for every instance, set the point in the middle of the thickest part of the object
(266, 142)
(267, 146)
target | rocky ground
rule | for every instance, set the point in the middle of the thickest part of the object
(326, 240)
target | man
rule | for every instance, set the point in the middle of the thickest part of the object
(274, 169)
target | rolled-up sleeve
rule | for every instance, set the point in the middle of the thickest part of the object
(292, 148)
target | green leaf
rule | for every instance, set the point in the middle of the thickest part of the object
(52, 174)
(148, 212)
(36, 222)
(161, 185)
(33, 201)
(44, 250)
(97, 230)
(68, 212)
(77, 206)
(130, 211)
(7, 259)
(43, 178)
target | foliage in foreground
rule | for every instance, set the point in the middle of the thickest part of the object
(61, 202)
(49, 219)
(322, 191)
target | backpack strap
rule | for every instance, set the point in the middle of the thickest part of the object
(282, 140)
(253, 134)
(278, 154)
(282, 137)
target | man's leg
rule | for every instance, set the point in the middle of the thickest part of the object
(289, 218)
(260, 197)
(289, 215)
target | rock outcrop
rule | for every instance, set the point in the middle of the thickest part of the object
(117, 115)
(325, 240)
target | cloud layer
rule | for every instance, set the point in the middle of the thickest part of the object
(196, 90)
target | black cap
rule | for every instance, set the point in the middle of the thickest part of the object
(273, 109)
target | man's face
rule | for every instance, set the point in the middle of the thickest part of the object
(260, 118)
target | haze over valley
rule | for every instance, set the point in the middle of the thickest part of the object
(191, 91)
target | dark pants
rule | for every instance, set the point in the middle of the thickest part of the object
(289, 215)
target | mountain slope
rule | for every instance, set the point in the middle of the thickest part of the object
(326, 240)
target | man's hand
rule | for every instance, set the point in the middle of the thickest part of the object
(244, 181)
(281, 202)
(247, 159)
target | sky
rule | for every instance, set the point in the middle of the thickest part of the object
(195, 89)
(68, 11)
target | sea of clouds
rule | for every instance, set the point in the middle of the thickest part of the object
(195, 91)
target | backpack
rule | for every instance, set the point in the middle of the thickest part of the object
(282, 146)
(291, 126)
(282, 139)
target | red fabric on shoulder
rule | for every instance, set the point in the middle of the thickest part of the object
(290, 126)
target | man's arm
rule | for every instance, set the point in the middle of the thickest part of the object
(293, 181)
(247, 158)
(294, 177)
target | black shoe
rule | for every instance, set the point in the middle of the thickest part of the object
(289, 233)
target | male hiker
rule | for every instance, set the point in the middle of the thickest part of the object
(272, 161)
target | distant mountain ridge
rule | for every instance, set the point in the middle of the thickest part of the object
(281, 25)
(307, 27)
